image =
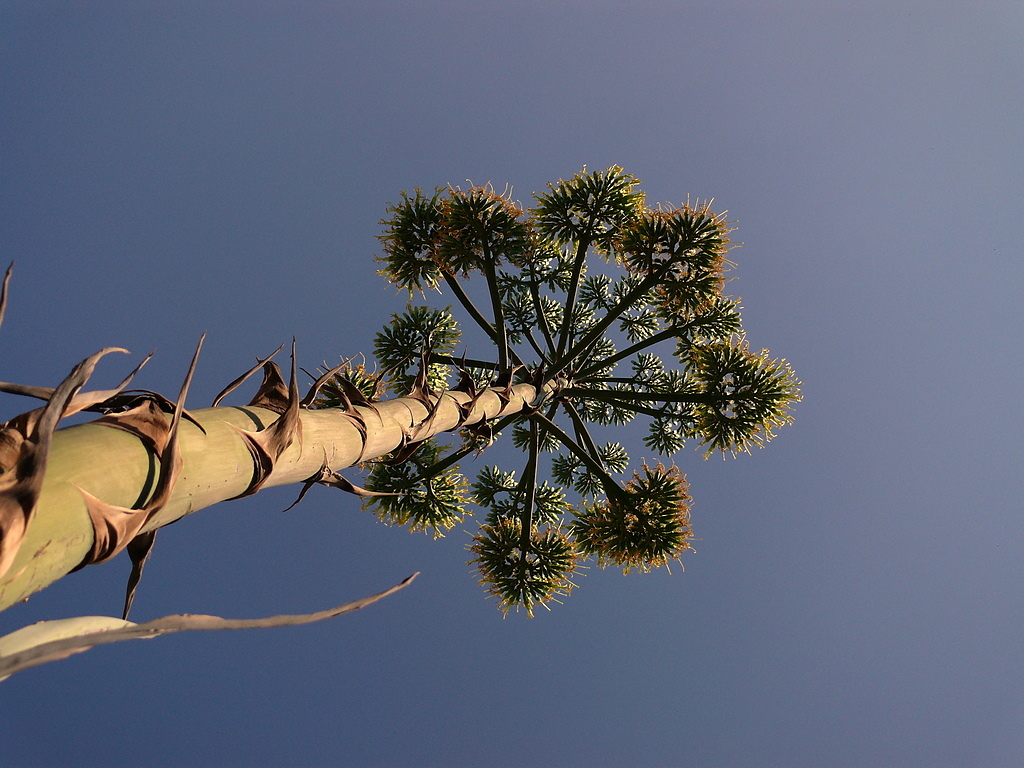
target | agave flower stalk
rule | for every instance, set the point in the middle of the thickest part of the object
(600, 310)
(221, 453)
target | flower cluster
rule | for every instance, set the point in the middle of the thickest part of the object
(746, 396)
(596, 337)
(523, 572)
(451, 232)
(400, 347)
(644, 527)
(425, 499)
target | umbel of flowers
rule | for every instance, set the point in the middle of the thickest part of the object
(611, 310)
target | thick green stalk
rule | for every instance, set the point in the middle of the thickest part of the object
(117, 467)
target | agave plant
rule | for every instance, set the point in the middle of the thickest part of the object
(595, 309)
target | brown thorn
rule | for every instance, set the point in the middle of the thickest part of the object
(3, 292)
(331, 479)
(26, 390)
(116, 527)
(403, 453)
(267, 445)
(263, 462)
(145, 421)
(241, 379)
(82, 401)
(314, 390)
(273, 392)
(334, 480)
(139, 549)
(27, 443)
(484, 430)
(305, 487)
(421, 384)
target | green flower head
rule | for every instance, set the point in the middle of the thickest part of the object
(643, 527)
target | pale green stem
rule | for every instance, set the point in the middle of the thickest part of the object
(574, 284)
(596, 468)
(477, 316)
(613, 314)
(530, 475)
(117, 467)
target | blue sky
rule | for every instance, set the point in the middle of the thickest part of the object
(857, 591)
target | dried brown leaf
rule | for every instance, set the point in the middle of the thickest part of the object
(403, 453)
(273, 392)
(116, 527)
(344, 484)
(26, 444)
(139, 549)
(3, 292)
(268, 444)
(50, 641)
(326, 476)
(146, 421)
(113, 527)
(83, 401)
(244, 377)
(504, 381)
(421, 384)
(314, 389)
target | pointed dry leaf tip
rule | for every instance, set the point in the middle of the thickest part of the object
(24, 449)
(147, 421)
(3, 292)
(345, 386)
(49, 641)
(313, 394)
(331, 479)
(273, 392)
(266, 446)
(139, 549)
(260, 363)
(100, 400)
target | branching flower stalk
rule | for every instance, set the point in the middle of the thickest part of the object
(588, 271)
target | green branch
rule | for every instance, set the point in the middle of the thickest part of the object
(613, 314)
(475, 313)
(582, 432)
(530, 476)
(669, 333)
(499, 312)
(594, 465)
(582, 246)
(542, 319)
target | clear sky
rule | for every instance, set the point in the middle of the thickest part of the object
(857, 593)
